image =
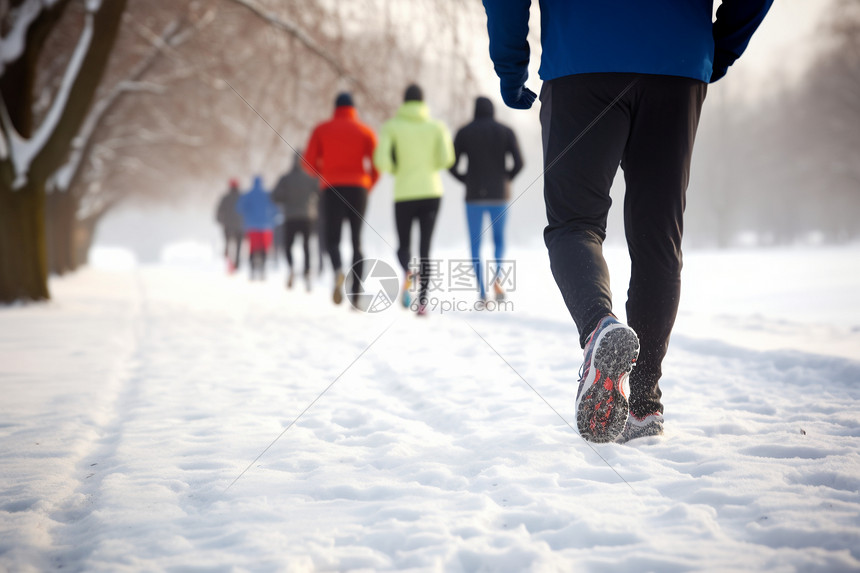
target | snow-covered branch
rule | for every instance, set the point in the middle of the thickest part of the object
(172, 36)
(13, 43)
(22, 150)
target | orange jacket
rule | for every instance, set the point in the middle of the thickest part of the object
(340, 151)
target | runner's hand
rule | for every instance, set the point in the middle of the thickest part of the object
(518, 97)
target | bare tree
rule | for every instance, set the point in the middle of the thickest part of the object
(225, 99)
(74, 206)
(29, 154)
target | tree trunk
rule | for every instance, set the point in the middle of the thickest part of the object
(50, 233)
(83, 235)
(23, 260)
(23, 253)
(61, 210)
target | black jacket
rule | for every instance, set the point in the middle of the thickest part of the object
(227, 214)
(486, 143)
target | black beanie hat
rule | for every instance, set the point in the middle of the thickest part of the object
(344, 98)
(413, 93)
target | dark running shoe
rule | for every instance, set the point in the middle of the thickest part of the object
(601, 401)
(650, 425)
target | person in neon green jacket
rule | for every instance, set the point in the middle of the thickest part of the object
(415, 148)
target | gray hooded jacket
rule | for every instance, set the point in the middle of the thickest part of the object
(297, 193)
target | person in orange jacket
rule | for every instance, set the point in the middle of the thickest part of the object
(340, 154)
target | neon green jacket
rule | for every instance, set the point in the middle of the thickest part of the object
(414, 148)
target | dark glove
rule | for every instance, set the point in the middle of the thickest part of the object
(722, 60)
(518, 97)
(718, 73)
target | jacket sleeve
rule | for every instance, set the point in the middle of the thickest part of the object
(241, 206)
(371, 145)
(736, 21)
(514, 150)
(444, 148)
(312, 156)
(279, 193)
(508, 28)
(220, 212)
(272, 211)
(458, 152)
(382, 154)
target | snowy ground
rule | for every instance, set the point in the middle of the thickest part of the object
(135, 398)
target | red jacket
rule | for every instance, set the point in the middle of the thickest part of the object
(340, 151)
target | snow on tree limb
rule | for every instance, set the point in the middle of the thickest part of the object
(13, 43)
(62, 179)
(22, 150)
(172, 36)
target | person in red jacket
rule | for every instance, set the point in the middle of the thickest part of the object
(340, 154)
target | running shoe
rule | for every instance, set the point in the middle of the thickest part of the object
(635, 428)
(406, 295)
(337, 295)
(498, 291)
(601, 401)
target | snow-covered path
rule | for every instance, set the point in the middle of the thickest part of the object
(133, 402)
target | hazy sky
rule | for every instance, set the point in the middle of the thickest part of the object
(784, 44)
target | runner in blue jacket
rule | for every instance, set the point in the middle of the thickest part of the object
(259, 213)
(624, 83)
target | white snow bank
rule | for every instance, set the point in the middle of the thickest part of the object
(107, 258)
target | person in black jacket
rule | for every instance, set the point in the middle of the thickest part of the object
(297, 193)
(229, 218)
(488, 145)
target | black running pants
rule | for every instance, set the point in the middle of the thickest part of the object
(233, 246)
(591, 123)
(293, 227)
(424, 211)
(344, 203)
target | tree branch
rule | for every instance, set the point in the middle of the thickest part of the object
(294, 31)
(104, 21)
(67, 175)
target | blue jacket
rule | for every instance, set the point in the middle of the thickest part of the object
(666, 37)
(256, 208)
